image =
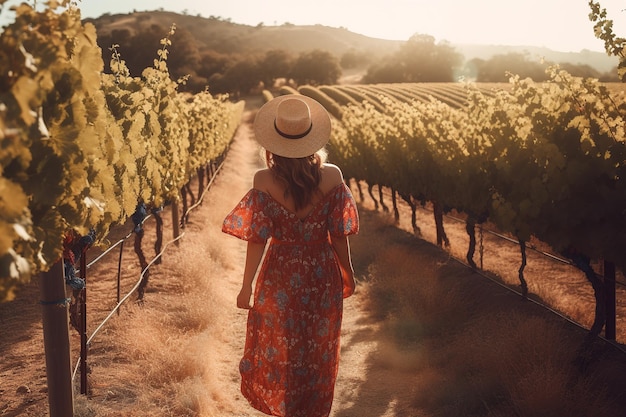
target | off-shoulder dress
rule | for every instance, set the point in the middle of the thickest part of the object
(291, 353)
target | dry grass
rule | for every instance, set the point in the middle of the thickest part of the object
(470, 348)
(160, 356)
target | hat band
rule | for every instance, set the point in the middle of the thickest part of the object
(288, 136)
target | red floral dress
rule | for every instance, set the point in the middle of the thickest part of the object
(291, 354)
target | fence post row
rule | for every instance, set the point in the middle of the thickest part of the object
(55, 309)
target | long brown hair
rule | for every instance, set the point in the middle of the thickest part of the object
(300, 176)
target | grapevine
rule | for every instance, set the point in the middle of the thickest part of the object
(80, 149)
(542, 161)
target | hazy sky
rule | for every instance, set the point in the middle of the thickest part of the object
(561, 25)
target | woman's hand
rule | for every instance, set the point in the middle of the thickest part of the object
(243, 299)
(349, 285)
(254, 253)
(341, 247)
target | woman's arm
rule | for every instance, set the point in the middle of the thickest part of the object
(254, 253)
(342, 249)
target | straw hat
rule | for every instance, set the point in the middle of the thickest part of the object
(293, 126)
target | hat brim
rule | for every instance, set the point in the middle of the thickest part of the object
(268, 137)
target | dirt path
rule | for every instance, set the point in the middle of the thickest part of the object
(233, 181)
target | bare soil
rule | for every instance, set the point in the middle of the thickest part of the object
(382, 371)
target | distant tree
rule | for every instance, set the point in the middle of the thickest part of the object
(354, 59)
(581, 70)
(276, 63)
(217, 84)
(242, 77)
(212, 62)
(384, 72)
(420, 59)
(495, 69)
(424, 60)
(141, 50)
(316, 67)
(184, 55)
(610, 77)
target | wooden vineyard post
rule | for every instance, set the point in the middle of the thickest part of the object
(119, 276)
(83, 326)
(176, 221)
(56, 337)
(609, 299)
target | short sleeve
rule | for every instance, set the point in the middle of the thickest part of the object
(247, 220)
(343, 218)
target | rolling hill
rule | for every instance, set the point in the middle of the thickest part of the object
(225, 36)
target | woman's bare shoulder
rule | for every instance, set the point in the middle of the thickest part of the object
(331, 176)
(333, 171)
(262, 179)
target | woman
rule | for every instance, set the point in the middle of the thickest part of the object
(300, 208)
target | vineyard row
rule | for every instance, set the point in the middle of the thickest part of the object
(81, 151)
(542, 161)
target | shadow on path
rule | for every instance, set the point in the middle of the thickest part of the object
(426, 336)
